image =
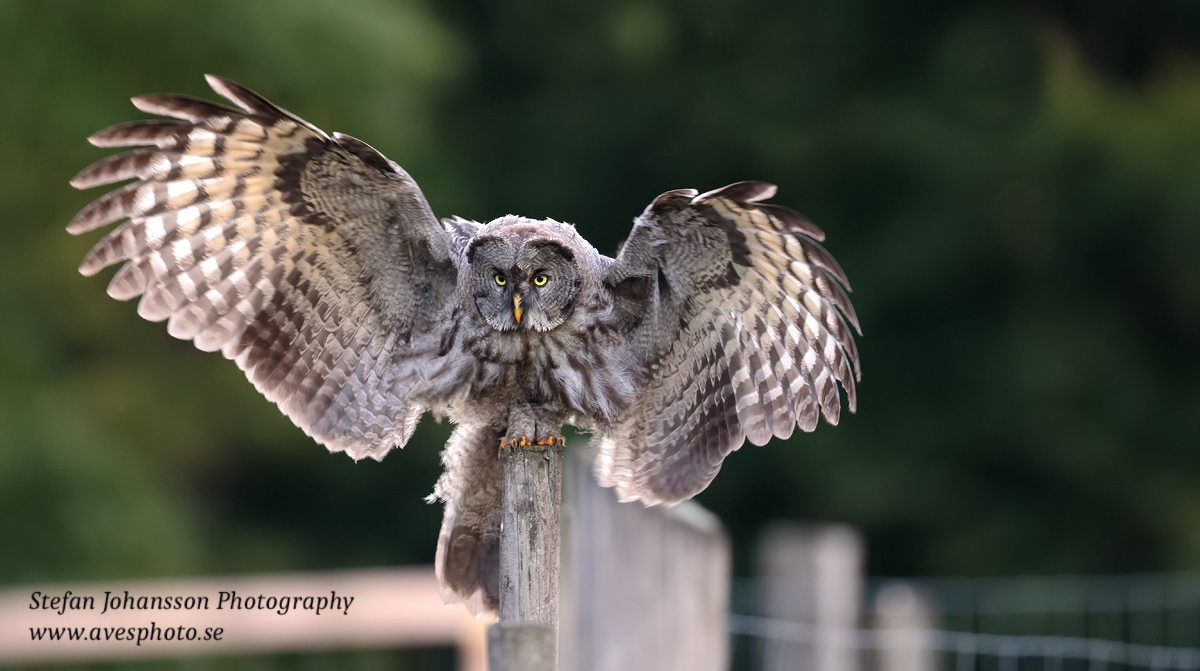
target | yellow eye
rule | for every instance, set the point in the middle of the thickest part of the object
(500, 279)
(541, 279)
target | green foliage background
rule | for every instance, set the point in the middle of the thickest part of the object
(1013, 189)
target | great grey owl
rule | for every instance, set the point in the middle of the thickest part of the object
(315, 263)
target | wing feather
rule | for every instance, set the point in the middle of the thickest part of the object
(310, 261)
(139, 163)
(745, 334)
(159, 133)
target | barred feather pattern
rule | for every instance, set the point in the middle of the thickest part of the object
(745, 333)
(313, 262)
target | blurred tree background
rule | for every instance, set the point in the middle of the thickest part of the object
(1012, 187)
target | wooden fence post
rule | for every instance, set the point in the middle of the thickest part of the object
(905, 620)
(812, 575)
(644, 589)
(526, 637)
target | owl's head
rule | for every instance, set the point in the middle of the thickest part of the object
(524, 274)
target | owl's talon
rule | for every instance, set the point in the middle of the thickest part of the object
(512, 444)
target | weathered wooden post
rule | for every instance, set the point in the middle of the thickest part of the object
(526, 637)
(812, 575)
(644, 589)
(905, 619)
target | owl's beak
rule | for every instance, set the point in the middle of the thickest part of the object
(517, 307)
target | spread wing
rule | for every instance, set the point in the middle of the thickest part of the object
(312, 261)
(741, 327)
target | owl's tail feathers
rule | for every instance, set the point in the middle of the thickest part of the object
(468, 562)
(468, 551)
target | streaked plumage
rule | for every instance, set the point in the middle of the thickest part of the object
(315, 263)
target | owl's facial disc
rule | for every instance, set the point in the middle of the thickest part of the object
(523, 284)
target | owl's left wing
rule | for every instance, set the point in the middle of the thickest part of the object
(312, 261)
(741, 327)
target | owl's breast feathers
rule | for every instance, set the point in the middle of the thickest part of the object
(580, 369)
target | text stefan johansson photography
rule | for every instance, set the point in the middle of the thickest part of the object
(230, 600)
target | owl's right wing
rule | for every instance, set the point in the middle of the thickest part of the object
(741, 328)
(312, 261)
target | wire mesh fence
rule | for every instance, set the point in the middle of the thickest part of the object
(1036, 623)
(1149, 609)
(930, 650)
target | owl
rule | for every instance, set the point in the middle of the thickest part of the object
(316, 264)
